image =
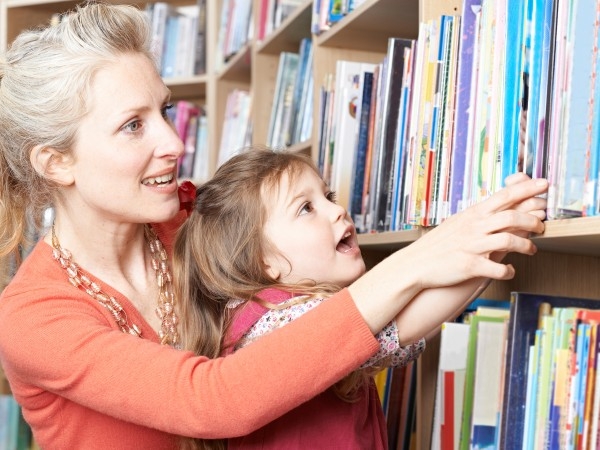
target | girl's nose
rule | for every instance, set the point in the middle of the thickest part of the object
(338, 212)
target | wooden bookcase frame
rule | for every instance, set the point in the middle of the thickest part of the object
(568, 261)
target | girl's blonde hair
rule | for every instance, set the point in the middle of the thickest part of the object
(44, 81)
(219, 253)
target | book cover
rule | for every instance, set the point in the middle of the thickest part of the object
(488, 376)
(401, 170)
(390, 107)
(371, 154)
(300, 95)
(570, 184)
(471, 402)
(592, 177)
(364, 112)
(200, 44)
(286, 74)
(513, 85)
(464, 76)
(201, 158)
(346, 126)
(454, 340)
(171, 43)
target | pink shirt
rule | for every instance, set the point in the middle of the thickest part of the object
(325, 421)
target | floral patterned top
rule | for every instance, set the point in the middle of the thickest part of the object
(390, 353)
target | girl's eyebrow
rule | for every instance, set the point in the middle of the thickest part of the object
(294, 199)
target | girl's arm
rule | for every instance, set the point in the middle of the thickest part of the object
(390, 353)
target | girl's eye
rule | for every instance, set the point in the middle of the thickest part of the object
(165, 109)
(331, 196)
(306, 208)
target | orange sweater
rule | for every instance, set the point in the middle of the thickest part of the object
(83, 384)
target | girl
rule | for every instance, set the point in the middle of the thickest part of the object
(266, 242)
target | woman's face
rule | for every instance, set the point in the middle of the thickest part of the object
(126, 150)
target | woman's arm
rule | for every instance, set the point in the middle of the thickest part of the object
(390, 352)
(440, 272)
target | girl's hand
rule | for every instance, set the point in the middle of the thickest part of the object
(467, 245)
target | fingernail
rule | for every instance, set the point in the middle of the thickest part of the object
(541, 182)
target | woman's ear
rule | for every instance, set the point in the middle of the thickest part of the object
(52, 164)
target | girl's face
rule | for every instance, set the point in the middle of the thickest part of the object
(126, 150)
(314, 237)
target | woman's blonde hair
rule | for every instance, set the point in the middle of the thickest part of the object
(219, 253)
(44, 81)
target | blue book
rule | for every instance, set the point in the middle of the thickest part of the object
(169, 60)
(463, 96)
(571, 184)
(513, 80)
(356, 190)
(591, 204)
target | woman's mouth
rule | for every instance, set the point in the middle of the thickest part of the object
(162, 180)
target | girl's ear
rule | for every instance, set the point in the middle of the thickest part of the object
(52, 164)
(272, 271)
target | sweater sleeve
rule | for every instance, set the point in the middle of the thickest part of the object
(61, 342)
(390, 354)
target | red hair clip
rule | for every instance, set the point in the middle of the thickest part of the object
(187, 195)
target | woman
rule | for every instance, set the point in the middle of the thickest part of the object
(83, 128)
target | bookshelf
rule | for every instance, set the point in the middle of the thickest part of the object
(568, 259)
(17, 15)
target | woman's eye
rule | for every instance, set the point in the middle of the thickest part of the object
(133, 126)
(165, 109)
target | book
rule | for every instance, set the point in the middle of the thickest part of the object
(200, 41)
(157, 13)
(200, 171)
(470, 9)
(402, 143)
(345, 125)
(235, 135)
(571, 180)
(382, 175)
(301, 94)
(284, 85)
(488, 377)
(473, 426)
(370, 153)
(454, 340)
(522, 326)
(358, 171)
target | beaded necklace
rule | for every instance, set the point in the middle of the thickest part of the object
(165, 309)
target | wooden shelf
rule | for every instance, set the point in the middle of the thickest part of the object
(238, 67)
(187, 87)
(580, 236)
(370, 25)
(285, 38)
